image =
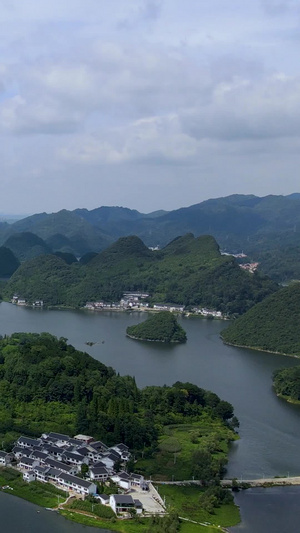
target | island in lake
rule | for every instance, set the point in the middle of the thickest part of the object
(161, 327)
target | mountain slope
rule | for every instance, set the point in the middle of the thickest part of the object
(273, 324)
(189, 271)
(26, 245)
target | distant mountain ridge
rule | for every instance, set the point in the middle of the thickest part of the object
(267, 228)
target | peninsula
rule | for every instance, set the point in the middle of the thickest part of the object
(272, 325)
(161, 327)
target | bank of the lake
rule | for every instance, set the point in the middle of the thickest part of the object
(257, 349)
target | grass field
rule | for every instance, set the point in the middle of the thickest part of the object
(42, 494)
(173, 461)
(185, 500)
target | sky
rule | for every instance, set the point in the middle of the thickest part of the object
(147, 104)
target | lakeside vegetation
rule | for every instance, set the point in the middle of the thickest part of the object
(162, 327)
(286, 384)
(189, 271)
(215, 505)
(45, 495)
(272, 325)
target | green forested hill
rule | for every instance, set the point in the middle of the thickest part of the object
(26, 245)
(189, 271)
(8, 262)
(161, 327)
(273, 324)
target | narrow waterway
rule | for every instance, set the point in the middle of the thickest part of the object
(269, 427)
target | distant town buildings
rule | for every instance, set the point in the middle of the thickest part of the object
(251, 267)
(136, 301)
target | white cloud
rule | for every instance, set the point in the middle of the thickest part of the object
(155, 140)
(242, 109)
(204, 91)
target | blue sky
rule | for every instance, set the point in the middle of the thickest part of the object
(148, 104)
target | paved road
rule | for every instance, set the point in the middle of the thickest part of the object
(294, 480)
(264, 481)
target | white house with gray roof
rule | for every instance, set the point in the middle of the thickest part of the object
(5, 458)
(73, 483)
(121, 503)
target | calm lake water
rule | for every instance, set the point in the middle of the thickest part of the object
(23, 517)
(269, 427)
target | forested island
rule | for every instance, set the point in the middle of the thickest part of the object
(161, 327)
(272, 325)
(189, 271)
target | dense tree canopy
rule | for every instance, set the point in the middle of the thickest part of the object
(287, 383)
(161, 327)
(271, 325)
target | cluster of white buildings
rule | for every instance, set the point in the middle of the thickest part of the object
(58, 459)
(16, 299)
(251, 267)
(209, 313)
(130, 300)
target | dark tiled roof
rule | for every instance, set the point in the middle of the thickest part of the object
(3, 454)
(59, 436)
(122, 447)
(57, 464)
(54, 449)
(99, 464)
(17, 449)
(137, 503)
(27, 461)
(99, 470)
(104, 497)
(112, 454)
(53, 472)
(39, 455)
(77, 480)
(41, 469)
(26, 452)
(98, 445)
(123, 499)
(123, 475)
(83, 450)
(28, 441)
(75, 456)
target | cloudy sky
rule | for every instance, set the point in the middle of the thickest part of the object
(148, 104)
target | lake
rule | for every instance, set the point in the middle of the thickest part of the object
(269, 427)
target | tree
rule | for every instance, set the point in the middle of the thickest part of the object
(84, 469)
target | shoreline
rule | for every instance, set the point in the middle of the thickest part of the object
(62, 307)
(257, 349)
(153, 340)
